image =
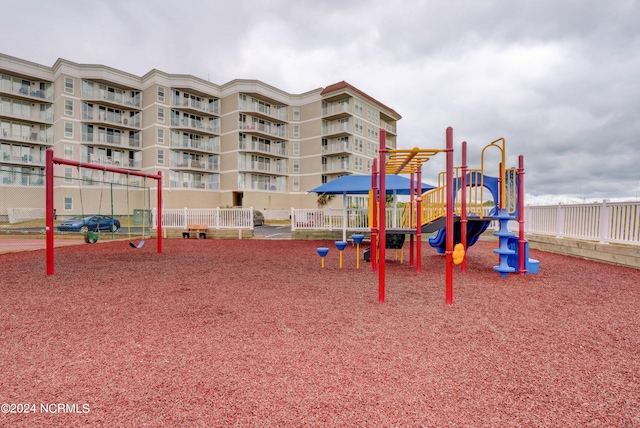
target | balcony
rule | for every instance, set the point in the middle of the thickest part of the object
(26, 160)
(264, 129)
(254, 185)
(116, 120)
(195, 125)
(337, 110)
(33, 115)
(337, 147)
(265, 111)
(337, 129)
(338, 167)
(388, 127)
(196, 106)
(197, 145)
(269, 149)
(113, 99)
(33, 137)
(267, 168)
(197, 165)
(27, 93)
(193, 185)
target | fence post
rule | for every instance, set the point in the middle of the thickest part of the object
(605, 216)
(560, 221)
(293, 221)
(185, 219)
(217, 225)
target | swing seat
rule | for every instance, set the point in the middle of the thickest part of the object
(140, 244)
(91, 237)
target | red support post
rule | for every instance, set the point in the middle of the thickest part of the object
(449, 217)
(382, 239)
(373, 250)
(463, 206)
(419, 223)
(159, 228)
(411, 199)
(49, 206)
(521, 240)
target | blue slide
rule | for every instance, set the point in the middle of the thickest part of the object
(475, 228)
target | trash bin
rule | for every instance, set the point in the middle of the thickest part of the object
(367, 255)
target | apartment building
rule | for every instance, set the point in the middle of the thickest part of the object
(242, 143)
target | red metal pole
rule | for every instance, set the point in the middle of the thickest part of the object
(463, 207)
(521, 240)
(449, 217)
(61, 161)
(373, 251)
(419, 223)
(411, 198)
(383, 216)
(49, 210)
(159, 212)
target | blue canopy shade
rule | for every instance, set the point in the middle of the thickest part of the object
(360, 185)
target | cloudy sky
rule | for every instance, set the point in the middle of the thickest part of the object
(558, 79)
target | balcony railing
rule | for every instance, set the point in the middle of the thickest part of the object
(337, 108)
(272, 149)
(24, 91)
(337, 147)
(113, 98)
(269, 111)
(195, 164)
(201, 106)
(196, 125)
(33, 137)
(265, 186)
(21, 159)
(200, 145)
(265, 167)
(274, 131)
(337, 128)
(336, 167)
(34, 115)
(110, 118)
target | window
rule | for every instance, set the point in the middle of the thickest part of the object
(68, 204)
(68, 85)
(296, 149)
(160, 94)
(68, 151)
(160, 157)
(296, 131)
(160, 115)
(68, 176)
(296, 184)
(68, 130)
(161, 136)
(325, 180)
(296, 166)
(296, 113)
(68, 107)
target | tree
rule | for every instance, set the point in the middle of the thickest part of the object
(323, 200)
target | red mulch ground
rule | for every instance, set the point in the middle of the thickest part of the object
(253, 333)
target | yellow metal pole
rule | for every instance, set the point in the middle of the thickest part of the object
(358, 256)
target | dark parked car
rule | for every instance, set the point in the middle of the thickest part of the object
(258, 218)
(94, 223)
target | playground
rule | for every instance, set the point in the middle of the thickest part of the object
(257, 333)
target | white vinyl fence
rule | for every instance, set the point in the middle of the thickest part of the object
(214, 218)
(605, 222)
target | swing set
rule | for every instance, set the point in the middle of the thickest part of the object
(92, 237)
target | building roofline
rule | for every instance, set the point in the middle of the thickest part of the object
(344, 85)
